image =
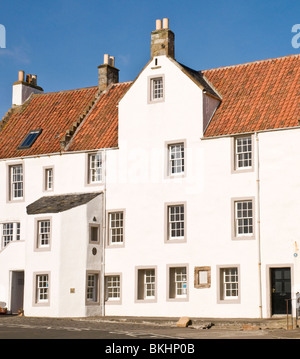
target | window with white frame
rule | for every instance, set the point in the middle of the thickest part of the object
(229, 283)
(48, 179)
(92, 288)
(178, 283)
(9, 232)
(42, 288)
(243, 218)
(116, 228)
(146, 284)
(16, 182)
(113, 287)
(243, 153)
(95, 168)
(157, 89)
(176, 222)
(44, 233)
(176, 159)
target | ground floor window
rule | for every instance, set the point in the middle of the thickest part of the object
(42, 288)
(146, 284)
(229, 282)
(113, 287)
(92, 288)
(178, 283)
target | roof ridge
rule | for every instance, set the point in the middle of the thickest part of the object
(251, 63)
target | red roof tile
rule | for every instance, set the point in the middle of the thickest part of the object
(256, 96)
(100, 128)
(54, 113)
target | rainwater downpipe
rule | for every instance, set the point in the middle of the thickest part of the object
(258, 221)
(103, 241)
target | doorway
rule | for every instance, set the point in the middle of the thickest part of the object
(17, 291)
(280, 290)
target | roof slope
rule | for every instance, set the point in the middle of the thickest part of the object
(60, 203)
(256, 96)
(100, 128)
(54, 113)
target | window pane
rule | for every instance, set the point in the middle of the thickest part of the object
(244, 217)
(16, 179)
(176, 158)
(116, 227)
(176, 222)
(243, 152)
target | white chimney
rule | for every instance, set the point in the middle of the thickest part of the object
(23, 89)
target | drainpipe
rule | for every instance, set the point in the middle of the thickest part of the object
(102, 298)
(258, 221)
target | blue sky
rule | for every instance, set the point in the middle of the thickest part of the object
(63, 41)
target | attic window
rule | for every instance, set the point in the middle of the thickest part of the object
(30, 139)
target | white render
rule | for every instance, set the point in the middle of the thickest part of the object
(138, 184)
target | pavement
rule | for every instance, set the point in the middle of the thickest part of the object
(273, 328)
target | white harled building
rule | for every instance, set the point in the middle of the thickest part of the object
(172, 195)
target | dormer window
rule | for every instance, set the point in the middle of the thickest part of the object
(30, 139)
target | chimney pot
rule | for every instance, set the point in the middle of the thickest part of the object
(106, 59)
(165, 23)
(158, 24)
(21, 76)
(163, 41)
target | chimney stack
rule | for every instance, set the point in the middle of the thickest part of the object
(23, 89)
(162, 40)
(108, 74)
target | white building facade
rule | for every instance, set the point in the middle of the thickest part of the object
(188, 215)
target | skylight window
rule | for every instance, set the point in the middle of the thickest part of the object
(30, 139)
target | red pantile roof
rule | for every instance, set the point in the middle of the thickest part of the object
(256, 96)
(54, 113)
(100, 129)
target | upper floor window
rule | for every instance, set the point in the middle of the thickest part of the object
(44, 233)
(16, 185)
(176, 159)
(95, 168)
(243, 153)
(176, 222)
(48, 182)
(9, 232)
(156, 89)
(116, 228)
(243, 218)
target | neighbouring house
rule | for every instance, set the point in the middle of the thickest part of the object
(172, 195)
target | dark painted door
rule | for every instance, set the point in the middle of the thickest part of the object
(281, 290)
